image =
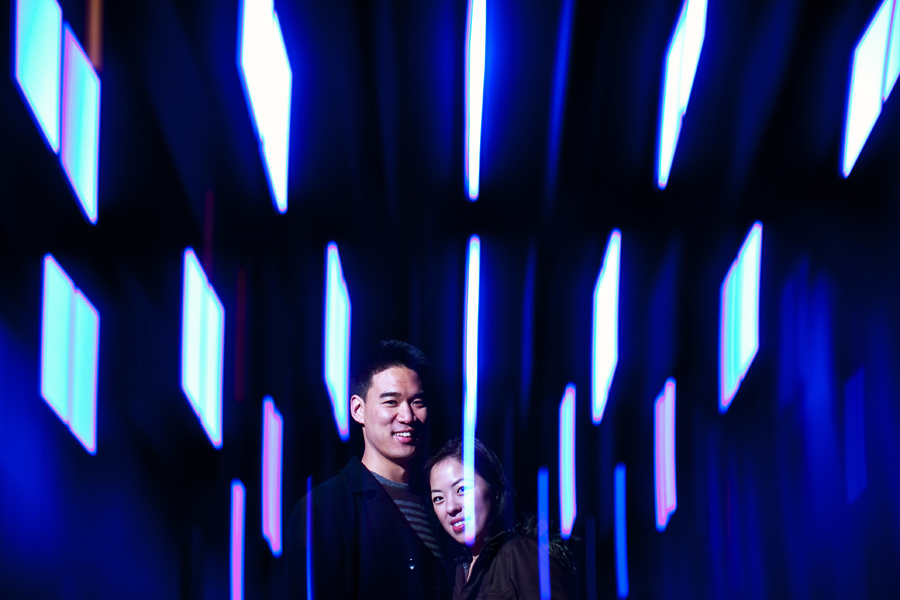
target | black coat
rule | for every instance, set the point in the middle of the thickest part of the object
(363, 546)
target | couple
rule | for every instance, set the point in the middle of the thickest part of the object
(373, 535)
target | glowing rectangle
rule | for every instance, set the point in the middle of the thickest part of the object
(739, 317)
(202, 335)
(267, 79)
(80, 124)
(337, 339)
(606, 328)
(681, 67)
(567, 496)
(476, 34)
(543, 532)
(37, 62)
(621, 533)
(855, 435)
(664, 454)
(309, 545)
(237, 540)
(470, 404)
(273, 428)
(70, 328)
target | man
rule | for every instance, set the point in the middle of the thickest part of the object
(370, 535)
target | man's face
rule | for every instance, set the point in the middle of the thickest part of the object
(393, 418)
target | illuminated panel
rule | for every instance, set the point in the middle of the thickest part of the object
(560, 74)
(739, 314)
(470, 409)
(80, 124)
(567, 506)
(37, 62)
(621, 533)
(475, 43)
(606, 327)
(70, 327)
(337, 339)
(202, 334)
(681, 66)
(855, 435)
(664, 454)
(876, 64)
(273, 428)
(543, 533)
(237, 540)
(266, 75)
(309, 534)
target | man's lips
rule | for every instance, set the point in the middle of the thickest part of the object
(406, 436)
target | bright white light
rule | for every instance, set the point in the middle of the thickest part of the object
(567, 496)
(475, 45)
(273, 428)
(606, 328)
(664, 454)
(37, 62)
(470, 408)
(337, 339)
(237, 540)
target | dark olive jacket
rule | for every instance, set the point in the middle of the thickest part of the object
(362, 545)
(508, 568)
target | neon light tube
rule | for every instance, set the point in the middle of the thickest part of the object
(237, 540)
(621, 533)
(337, 339)
(567, 496)
(37, 62)
(664, 454)
(470, 409)
(543, 533)
(475, 50)
(273, 428)
(606, 327)
(309, 546)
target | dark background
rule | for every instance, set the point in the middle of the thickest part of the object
(376, 165)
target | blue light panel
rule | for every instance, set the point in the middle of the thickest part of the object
(543, 532)
(560, 75)
(337, 339)
(855, 435)
(606, 327)
(621, 533)
(739, 313)
(310, 595)
(70, 327)
(681, 66)
(202, 335)
(37, 62)
(475, 44)
(664, 454)
(267, 79)
(237, 540)
(273, 428)
(470, 408)
(567, 504)
(80, 124)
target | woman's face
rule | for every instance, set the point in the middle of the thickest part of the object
(448, 488)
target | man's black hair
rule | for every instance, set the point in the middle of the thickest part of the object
(388, 354)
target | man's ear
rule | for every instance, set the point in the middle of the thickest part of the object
(356, 409)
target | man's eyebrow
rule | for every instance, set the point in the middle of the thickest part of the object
(451, 485)
(395, 394)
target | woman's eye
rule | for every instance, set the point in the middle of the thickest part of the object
(461, 490)
(436, 499)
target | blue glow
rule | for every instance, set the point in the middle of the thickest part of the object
(70, 327)
(606, 327)
(681, 66)
(37, 62)
(80, 124)
(621, 533)
(876, 63)
(560, 75)
(664, 454)
(202, 335)
(475, 44)
(543, 532)
(309, 547)
(237, 540)
(337, 339)
(266, 75)
(273, 428)
(470, 408)
(855, 435)
(739, 313)
(567, 504)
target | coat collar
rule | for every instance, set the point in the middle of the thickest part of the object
(359, 478)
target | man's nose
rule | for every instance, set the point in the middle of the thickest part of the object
(405, 413)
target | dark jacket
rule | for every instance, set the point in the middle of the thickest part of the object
(363, 546)
(508, 568)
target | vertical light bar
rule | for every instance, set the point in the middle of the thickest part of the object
(664, 454)
(606, 327)
(470, 409)
(739, 317)
(560, 75)
(84, 353)
(567, 496)
(309, 535)
(621, 533)
(543, 532)
(37, 62)
(475, 50)
(267, 80)
(855, 435)
(870, 81)
(337, 339)
(55, 328)
(681, 66)
(273, 428)
(80, 124)
(237, 540)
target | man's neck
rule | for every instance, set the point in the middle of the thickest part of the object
(385, 468)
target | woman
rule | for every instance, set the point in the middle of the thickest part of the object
(500, 563)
